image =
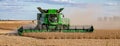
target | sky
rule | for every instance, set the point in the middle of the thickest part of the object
(102, 14)
(27, 9)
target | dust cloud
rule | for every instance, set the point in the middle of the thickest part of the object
(90, 17)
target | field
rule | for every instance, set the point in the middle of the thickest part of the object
(97, 38)
(12, 26)
(26, 41)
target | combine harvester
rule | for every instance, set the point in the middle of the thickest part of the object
(53, 21)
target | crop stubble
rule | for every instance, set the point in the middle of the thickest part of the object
(27, 41)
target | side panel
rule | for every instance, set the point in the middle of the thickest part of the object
(40, 18)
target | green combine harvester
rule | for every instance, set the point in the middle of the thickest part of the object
(52, 20)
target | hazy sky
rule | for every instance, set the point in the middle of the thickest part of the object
(26, 9)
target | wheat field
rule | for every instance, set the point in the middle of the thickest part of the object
(26, 41)
(96, 38)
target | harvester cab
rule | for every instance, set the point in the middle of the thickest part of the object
(52, 20)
